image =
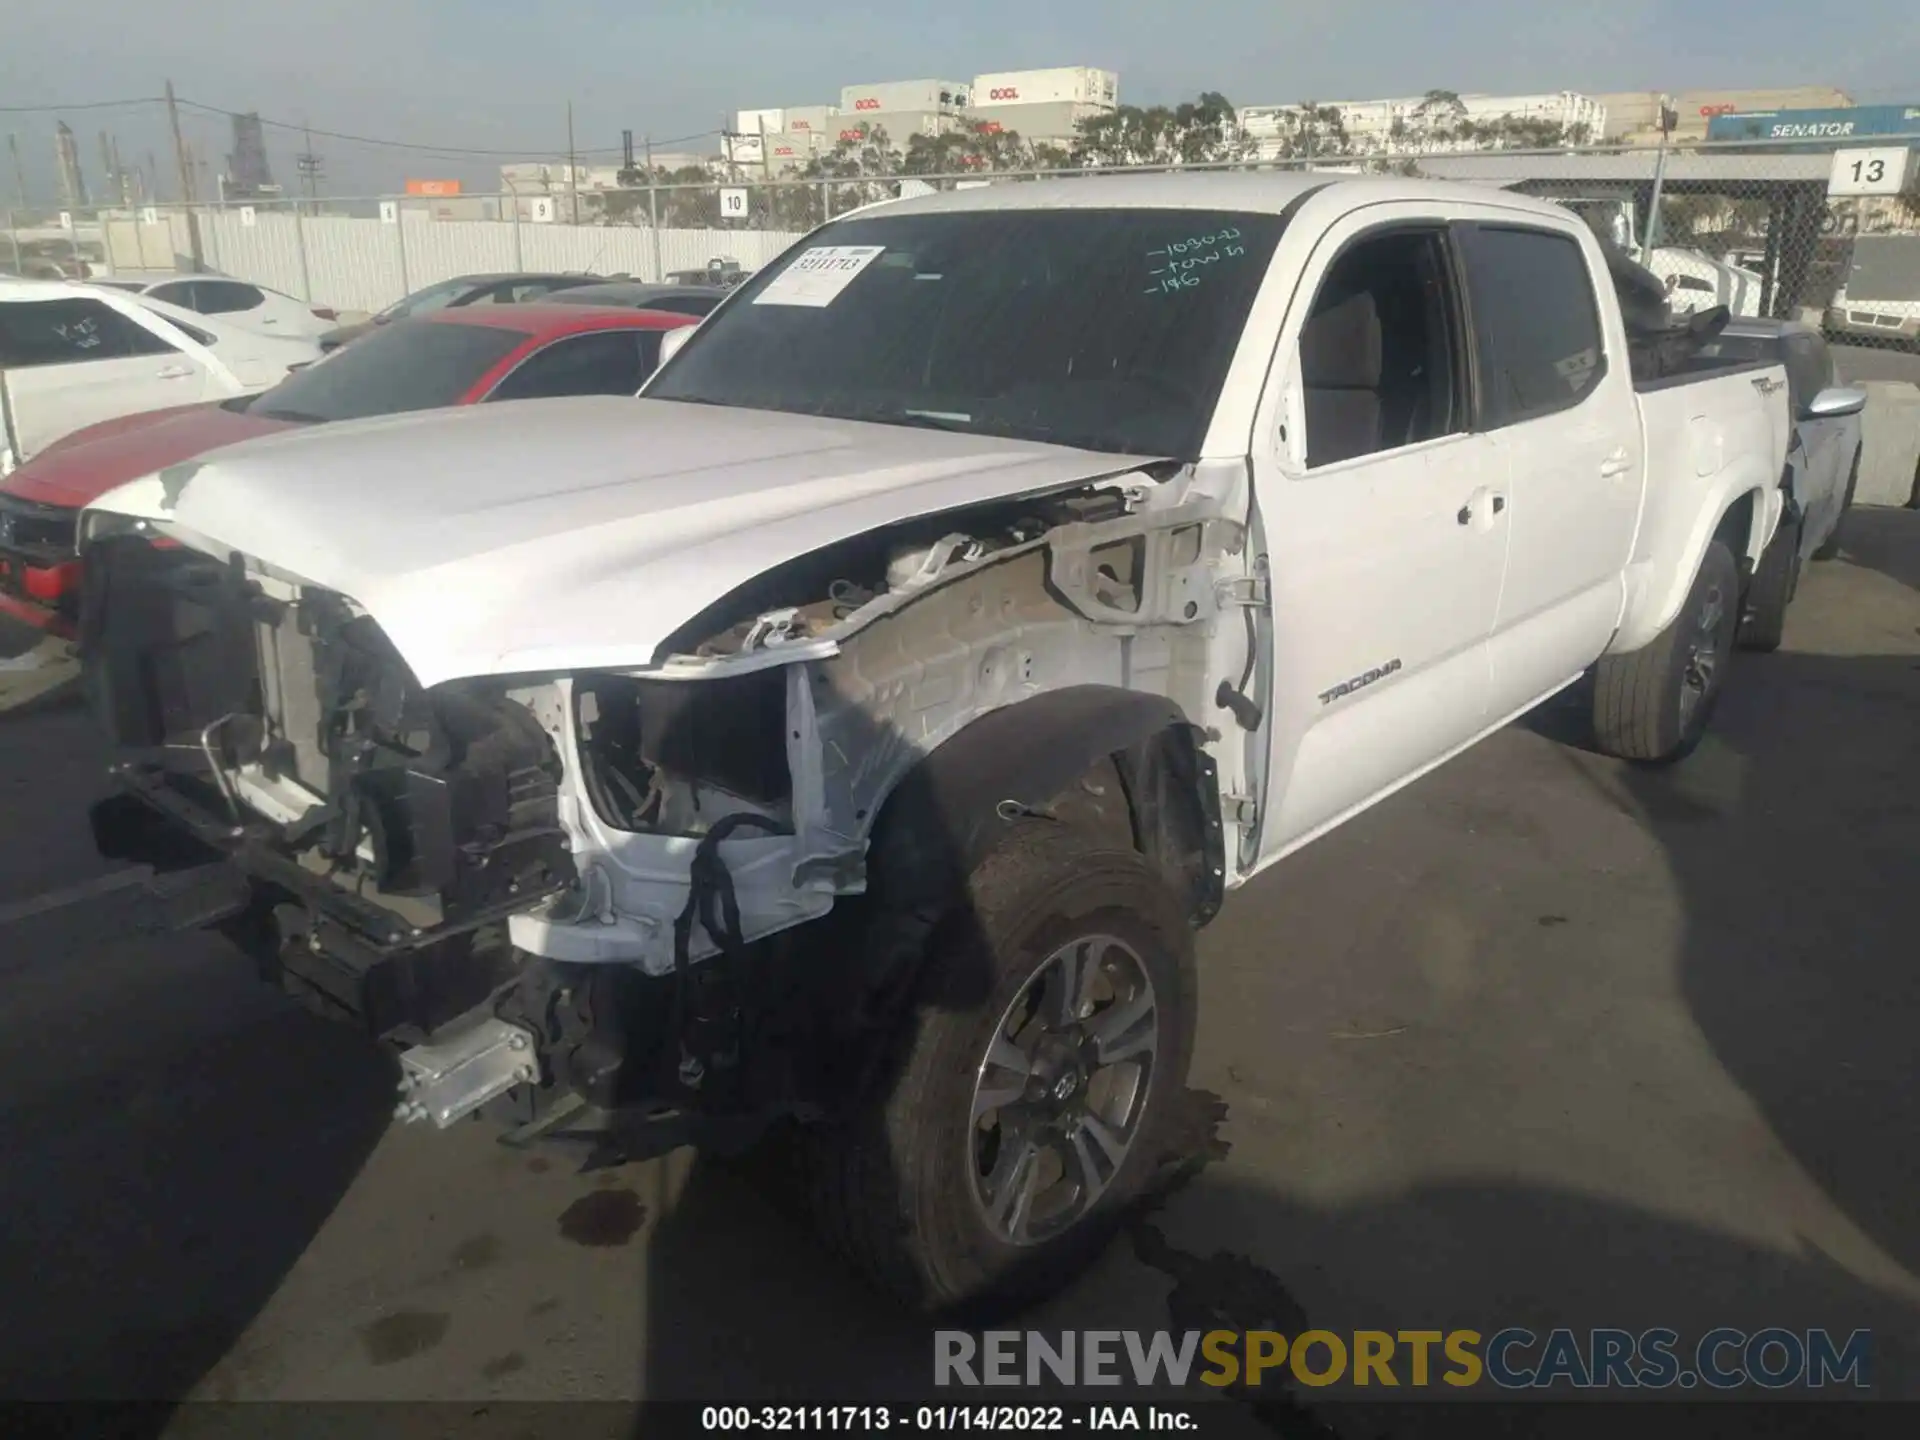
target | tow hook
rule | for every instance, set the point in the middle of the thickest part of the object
(454, 1077)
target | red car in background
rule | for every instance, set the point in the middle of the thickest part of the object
(462, 356)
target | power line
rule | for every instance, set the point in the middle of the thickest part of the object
(417, 147)
(87, 105)
(446, 150)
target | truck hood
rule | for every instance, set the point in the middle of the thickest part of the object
(574, 533)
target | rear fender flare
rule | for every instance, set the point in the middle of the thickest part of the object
(1656, 604)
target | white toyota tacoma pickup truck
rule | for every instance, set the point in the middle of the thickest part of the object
(848, 735)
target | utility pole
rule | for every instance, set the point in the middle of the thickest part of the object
(19, 174)
(120, 171)
(186, 182)
(1669, 119)
(312, 171)
(573, 178)
(653, 211)
(179, 149)
(109, 181)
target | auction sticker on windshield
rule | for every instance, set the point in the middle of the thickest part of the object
(819, 275)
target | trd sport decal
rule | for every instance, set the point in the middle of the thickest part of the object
(1359, 682)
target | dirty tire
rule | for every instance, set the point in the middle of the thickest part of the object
(1830, 547)
(1763, 619)
(1637, 697)
(893, 1187)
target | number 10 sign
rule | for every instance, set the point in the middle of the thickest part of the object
(1879, 171)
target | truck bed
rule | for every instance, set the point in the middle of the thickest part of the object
(1711, 433)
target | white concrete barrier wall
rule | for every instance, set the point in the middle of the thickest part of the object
(1890, 444)
(368, 264)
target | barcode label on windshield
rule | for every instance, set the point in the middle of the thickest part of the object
(819, 275)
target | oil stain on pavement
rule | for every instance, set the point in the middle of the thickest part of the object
(403, 1335)
(477, 1252)
(603, 1218)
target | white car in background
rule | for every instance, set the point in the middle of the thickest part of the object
(238, 302)
(1695, 281)
(74, 355)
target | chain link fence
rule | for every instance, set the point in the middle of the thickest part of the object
(1765, 230)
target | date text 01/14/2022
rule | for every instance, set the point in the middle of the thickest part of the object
(1181, 262)
(817, 1419)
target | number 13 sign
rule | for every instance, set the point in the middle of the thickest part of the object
(1879, 171)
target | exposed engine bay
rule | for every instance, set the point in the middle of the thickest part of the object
(548, 859)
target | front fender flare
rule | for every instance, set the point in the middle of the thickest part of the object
(953, 808)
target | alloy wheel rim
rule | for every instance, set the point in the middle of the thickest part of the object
(1700, 675)
(1059, 1093)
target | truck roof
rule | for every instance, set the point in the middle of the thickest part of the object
(1254, 191)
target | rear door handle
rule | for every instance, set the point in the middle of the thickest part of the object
(1616, 465)
(173, 372)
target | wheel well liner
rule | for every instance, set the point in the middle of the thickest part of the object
(1736, 527)
(944, 817)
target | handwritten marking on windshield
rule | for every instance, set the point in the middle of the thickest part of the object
(1182, 262)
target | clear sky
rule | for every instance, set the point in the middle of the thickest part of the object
(497, 74)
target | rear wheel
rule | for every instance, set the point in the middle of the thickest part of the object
(1053, 1034)
(1763, 617)
(1653, 704)
(1830, 547)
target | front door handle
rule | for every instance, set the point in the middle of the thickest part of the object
(1616, 464)
(173, 372)
(1464, 515)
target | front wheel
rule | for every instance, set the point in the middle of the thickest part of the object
(1052, 1038)
(1654, 704)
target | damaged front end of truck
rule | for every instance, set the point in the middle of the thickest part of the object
(687, 891)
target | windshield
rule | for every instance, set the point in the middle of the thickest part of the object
(1104, 329)
(417, 365)
(434, 297)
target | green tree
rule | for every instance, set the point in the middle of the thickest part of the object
(1203, 131)
(855, 170)
(1311, 131)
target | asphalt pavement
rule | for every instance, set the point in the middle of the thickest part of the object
(1542, 1040)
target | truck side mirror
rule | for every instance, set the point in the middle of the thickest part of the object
(1836, 401)
(671, 342)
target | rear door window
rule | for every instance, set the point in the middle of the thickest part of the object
(1536, 323)
(226, 297)
(176, 292)
(71, 331)
(611, 362)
